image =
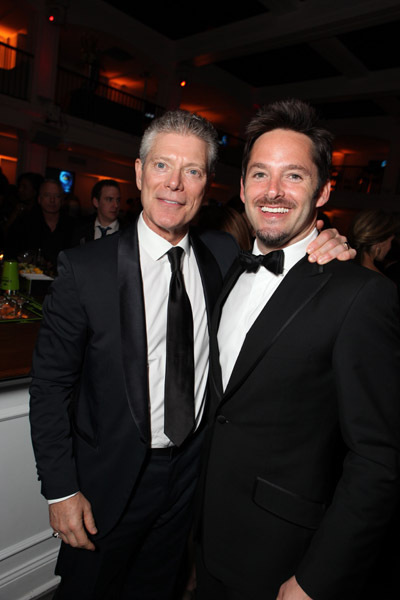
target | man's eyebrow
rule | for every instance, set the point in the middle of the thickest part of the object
(298, 168)
(164, 158)
(289, 167)
(257, 166)
(195, 164)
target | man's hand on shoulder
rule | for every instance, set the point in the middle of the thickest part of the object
(72, 518)
(329, 245)
(290, 590)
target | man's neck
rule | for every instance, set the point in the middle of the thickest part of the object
(105, 222)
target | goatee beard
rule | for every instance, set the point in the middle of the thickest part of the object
(271, 240)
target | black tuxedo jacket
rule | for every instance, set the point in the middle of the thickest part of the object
(89, 394)
(303, 466)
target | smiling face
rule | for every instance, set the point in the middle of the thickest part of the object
(280, 189)
(173, 182)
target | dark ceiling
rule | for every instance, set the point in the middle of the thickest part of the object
(335, 54)
(179, 19)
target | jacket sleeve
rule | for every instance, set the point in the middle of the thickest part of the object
(366, 365)
(56, 370)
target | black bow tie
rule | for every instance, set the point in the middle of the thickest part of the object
(273, 261)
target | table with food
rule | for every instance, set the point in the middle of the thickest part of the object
(20, 316)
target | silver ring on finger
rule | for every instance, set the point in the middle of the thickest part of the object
(347, 245)
(56, 534)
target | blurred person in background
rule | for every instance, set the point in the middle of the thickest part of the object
(42, 231)
(371, 234)
(106, 200)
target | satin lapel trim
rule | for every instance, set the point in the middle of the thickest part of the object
(300, 285)
(133, 329)
(209, 272)
(215, 368)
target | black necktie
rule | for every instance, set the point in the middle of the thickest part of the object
(103, 230)
(179, 369)
(273, 261)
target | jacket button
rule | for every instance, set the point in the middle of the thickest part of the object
(221, 419)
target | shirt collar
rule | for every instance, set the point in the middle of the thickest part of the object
(294, 252)
(155, 245)
(112, 225)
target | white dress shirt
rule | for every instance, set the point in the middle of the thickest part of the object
(156, 276)
(113, 227)
(245, 302)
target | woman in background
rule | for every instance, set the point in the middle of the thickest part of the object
(371, 234)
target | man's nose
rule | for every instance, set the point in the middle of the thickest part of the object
(174, 181)
(274, 188)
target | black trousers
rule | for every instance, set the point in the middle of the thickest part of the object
(142, 557)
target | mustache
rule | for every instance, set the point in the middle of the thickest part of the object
(281, 202)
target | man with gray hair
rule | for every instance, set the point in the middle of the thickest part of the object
(120, 373)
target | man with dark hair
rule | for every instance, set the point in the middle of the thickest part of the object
(120, 373)
(302, 470)
(106, 199)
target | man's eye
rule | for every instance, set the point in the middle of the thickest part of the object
(160, 165)
(194, 172)
(258, 175)
(295, 177)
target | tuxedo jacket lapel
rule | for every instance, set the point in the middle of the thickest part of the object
(209, 271)
(133, 329)
(300, 285)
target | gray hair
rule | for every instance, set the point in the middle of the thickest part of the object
(183, 123)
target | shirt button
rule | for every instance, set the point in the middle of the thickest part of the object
(221, 419)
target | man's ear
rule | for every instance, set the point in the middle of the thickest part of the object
(139, 173)
(242, 197)
(95, 202)
(324, 194)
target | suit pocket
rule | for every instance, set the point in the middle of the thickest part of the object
(288, 505)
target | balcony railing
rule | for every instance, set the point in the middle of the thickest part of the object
(89, 99)
(15, 70)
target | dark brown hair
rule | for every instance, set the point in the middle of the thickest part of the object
(294, 115)
(371, 227)
(98, 187)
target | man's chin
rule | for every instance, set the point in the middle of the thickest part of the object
(272, 240)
